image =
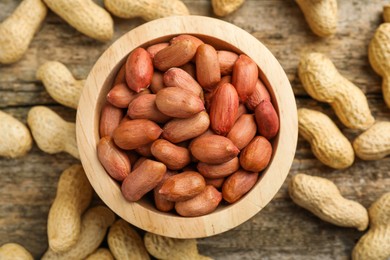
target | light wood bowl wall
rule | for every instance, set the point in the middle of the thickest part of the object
(143, 214)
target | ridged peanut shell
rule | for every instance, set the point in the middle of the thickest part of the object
(324, 83)
(60, 83)
(18, 30)
(374, 143)
(146, 9)
(171, 248)
(87, 17)
(322, 197)
(94, 225)
(226, 7)
(15, 140)
(74, 194)
(379, 57)
(51, 133)
(322, 16)
(327, 142)
(375, 244)
(13, 251)
(100, 254)
(125, 243)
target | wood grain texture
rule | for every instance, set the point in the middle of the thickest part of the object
(282, 230)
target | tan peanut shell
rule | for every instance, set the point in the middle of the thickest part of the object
(226, 7)
(324, 83)
(94, 225)
(166, 248)
(85, 16)
(125, 243)
(74, 194)
(15, 140)
(18, 30)
(51, 133)
(100, 254)
(328, 143)
(60, 83)
(13, 251)
(322, 197)
(374, 143)
(379, 57)
(321, 15)
(375, 244)
(146, 9)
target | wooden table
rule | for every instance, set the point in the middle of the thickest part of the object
(282, 230)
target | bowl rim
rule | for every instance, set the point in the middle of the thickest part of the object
(150, 219)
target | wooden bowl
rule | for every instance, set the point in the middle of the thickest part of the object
(143, 214)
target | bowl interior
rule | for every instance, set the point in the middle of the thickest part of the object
(223, 36)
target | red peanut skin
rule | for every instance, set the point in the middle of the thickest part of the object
(208, 72)
(115, 161)
(195, 40)
(110, 118)
(144, 107)
(179, 103)
(121, 75)
(145, 150)
(244, 77)
(142, 180)
(136, 133)
(157, 82)
(224, 108)
(226, 61)
(179, 130)
(173, 156)
(175, 55)
(259, 94)
(243, 131)
(182, 186)
(139, 70)
(121, 96)
(161, 203)
(213, 149)
(238, 184)
(216, 171)
(257, 155)
(153, 49)
(176, 77)
(190, 69)
(267, 119)
(217, 183)
(204, 203)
